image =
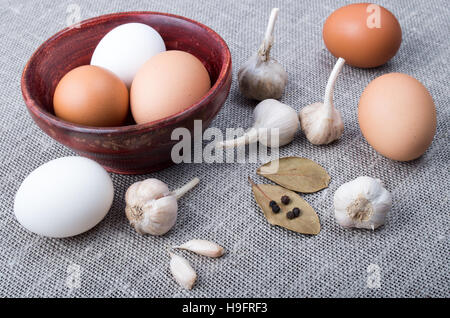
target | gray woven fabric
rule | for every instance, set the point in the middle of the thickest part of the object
(411, 252)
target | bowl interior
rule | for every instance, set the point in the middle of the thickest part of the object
(74, 47)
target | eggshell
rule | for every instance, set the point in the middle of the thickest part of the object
(126, 48)
(352, 33)
(91, 96)
(64, 197)
(397, 116)
(167, 84)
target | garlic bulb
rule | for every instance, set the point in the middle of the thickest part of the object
(182, 271)
(362, 203)
(150, 206)
(262, 77)
(271, 119)
(202, 247)
(322, 122)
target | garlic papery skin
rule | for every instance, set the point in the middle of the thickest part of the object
(203, 247)
(322, 122)
(275, 125)
(262, 77)
(150, 206)
(362, 203)
(182, 271)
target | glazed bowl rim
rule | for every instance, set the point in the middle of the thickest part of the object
(38, 111)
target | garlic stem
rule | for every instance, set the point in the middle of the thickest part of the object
(329, 91)
(268, 37)
(249, 137)
(184, 189)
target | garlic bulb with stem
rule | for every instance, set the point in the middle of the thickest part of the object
(262, 77)
(322, 122)
(362, 203)
(151, 207)
(271, 117)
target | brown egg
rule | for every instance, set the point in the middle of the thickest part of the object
(364, 34)
(397, 116)
(167, 84)
(91, 96)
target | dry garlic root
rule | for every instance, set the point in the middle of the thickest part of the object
(202, 247)
(271, 119)
(262, 77)
(322, 122)
(362, 203)
(182, 271)
(151, 207)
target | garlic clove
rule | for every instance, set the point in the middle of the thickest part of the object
(321, 122)
(182, 271)
(362, 203)
(262, 77)
(203, 247)
(275, 125)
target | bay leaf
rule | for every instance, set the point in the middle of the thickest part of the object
(307, 223)
(297, 174)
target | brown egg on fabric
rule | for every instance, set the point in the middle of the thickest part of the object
(397, 116)
(364, 34)
(91, 96)
(168, 83)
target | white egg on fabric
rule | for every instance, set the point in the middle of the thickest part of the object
(126, 48)
(64, 197)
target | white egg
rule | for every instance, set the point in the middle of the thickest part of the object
(64, 197)
(126, 48)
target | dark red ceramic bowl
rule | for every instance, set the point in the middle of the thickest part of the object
(133, 149)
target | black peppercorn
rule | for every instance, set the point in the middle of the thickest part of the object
(285, 199)
(290, 215)
(275, 208)
(272, 203)
(296, 212)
